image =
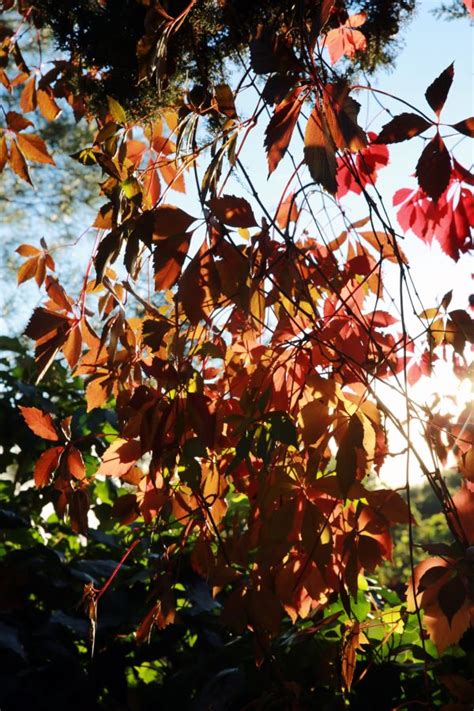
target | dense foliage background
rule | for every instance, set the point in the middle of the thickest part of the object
(191, 513)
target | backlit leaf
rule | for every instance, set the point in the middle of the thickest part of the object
(437, 92)
(39, 422)
(47, 465)
(433, 169)
(233, 211)
(402, 127)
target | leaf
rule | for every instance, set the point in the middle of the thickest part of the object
(18, 163)
(168, 259)
(433, 169)
(120, 457)
(346, 41)
(39, 422)
(171, 221)
(47, 104)
(225, 100)
(341, 112)
(466, 126)
(402, 127)
(47, 465)
(75, 463)
(355, 173)
(346, 458)
(72, 348)
(16, 122)
(280, 130)
(287, 212)
(3, 152)
(116, 111)
(436, 94)
(319, 152)
(28, 96)
(233, 211)
(451, 597)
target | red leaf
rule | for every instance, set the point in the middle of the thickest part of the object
(355, 173)
(433, 169)
(469, 7)
(346, 458)
(233, 211)
(47, 465)
(120, 457)
(466, 126)
(39, 422)
(402, 127)
(345, 40)
(437, 92)
(280, 129)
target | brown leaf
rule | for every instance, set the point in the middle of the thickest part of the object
(466, 126)
(39, 422)
(319, 152)
(433, 169)
(17, 122)
(233, 211)
(170, 221)
(225, 100)
(402, 127)
(199, 286)
(120, 457)
(75, 463)
(34, 148)
(341, 112)
(47, 465)
(168, 259)
(280, 129)
(436, 94)
(18, 163)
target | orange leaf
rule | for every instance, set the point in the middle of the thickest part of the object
(34, 148)
(233, 211)
(39, 422)
(47, 104)
(75, 463)
(120, 457)
(280, 129)
(3, 152)
(18, 163)
(172, 177)
(47, 465)
(168, 260)
(287, 212)
(319, 152)
(27, 270)
(27, 250)
(28, 96)
(73, 346)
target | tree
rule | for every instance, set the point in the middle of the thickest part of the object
(242, 357)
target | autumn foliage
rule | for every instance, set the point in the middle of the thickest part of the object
(242, 346)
